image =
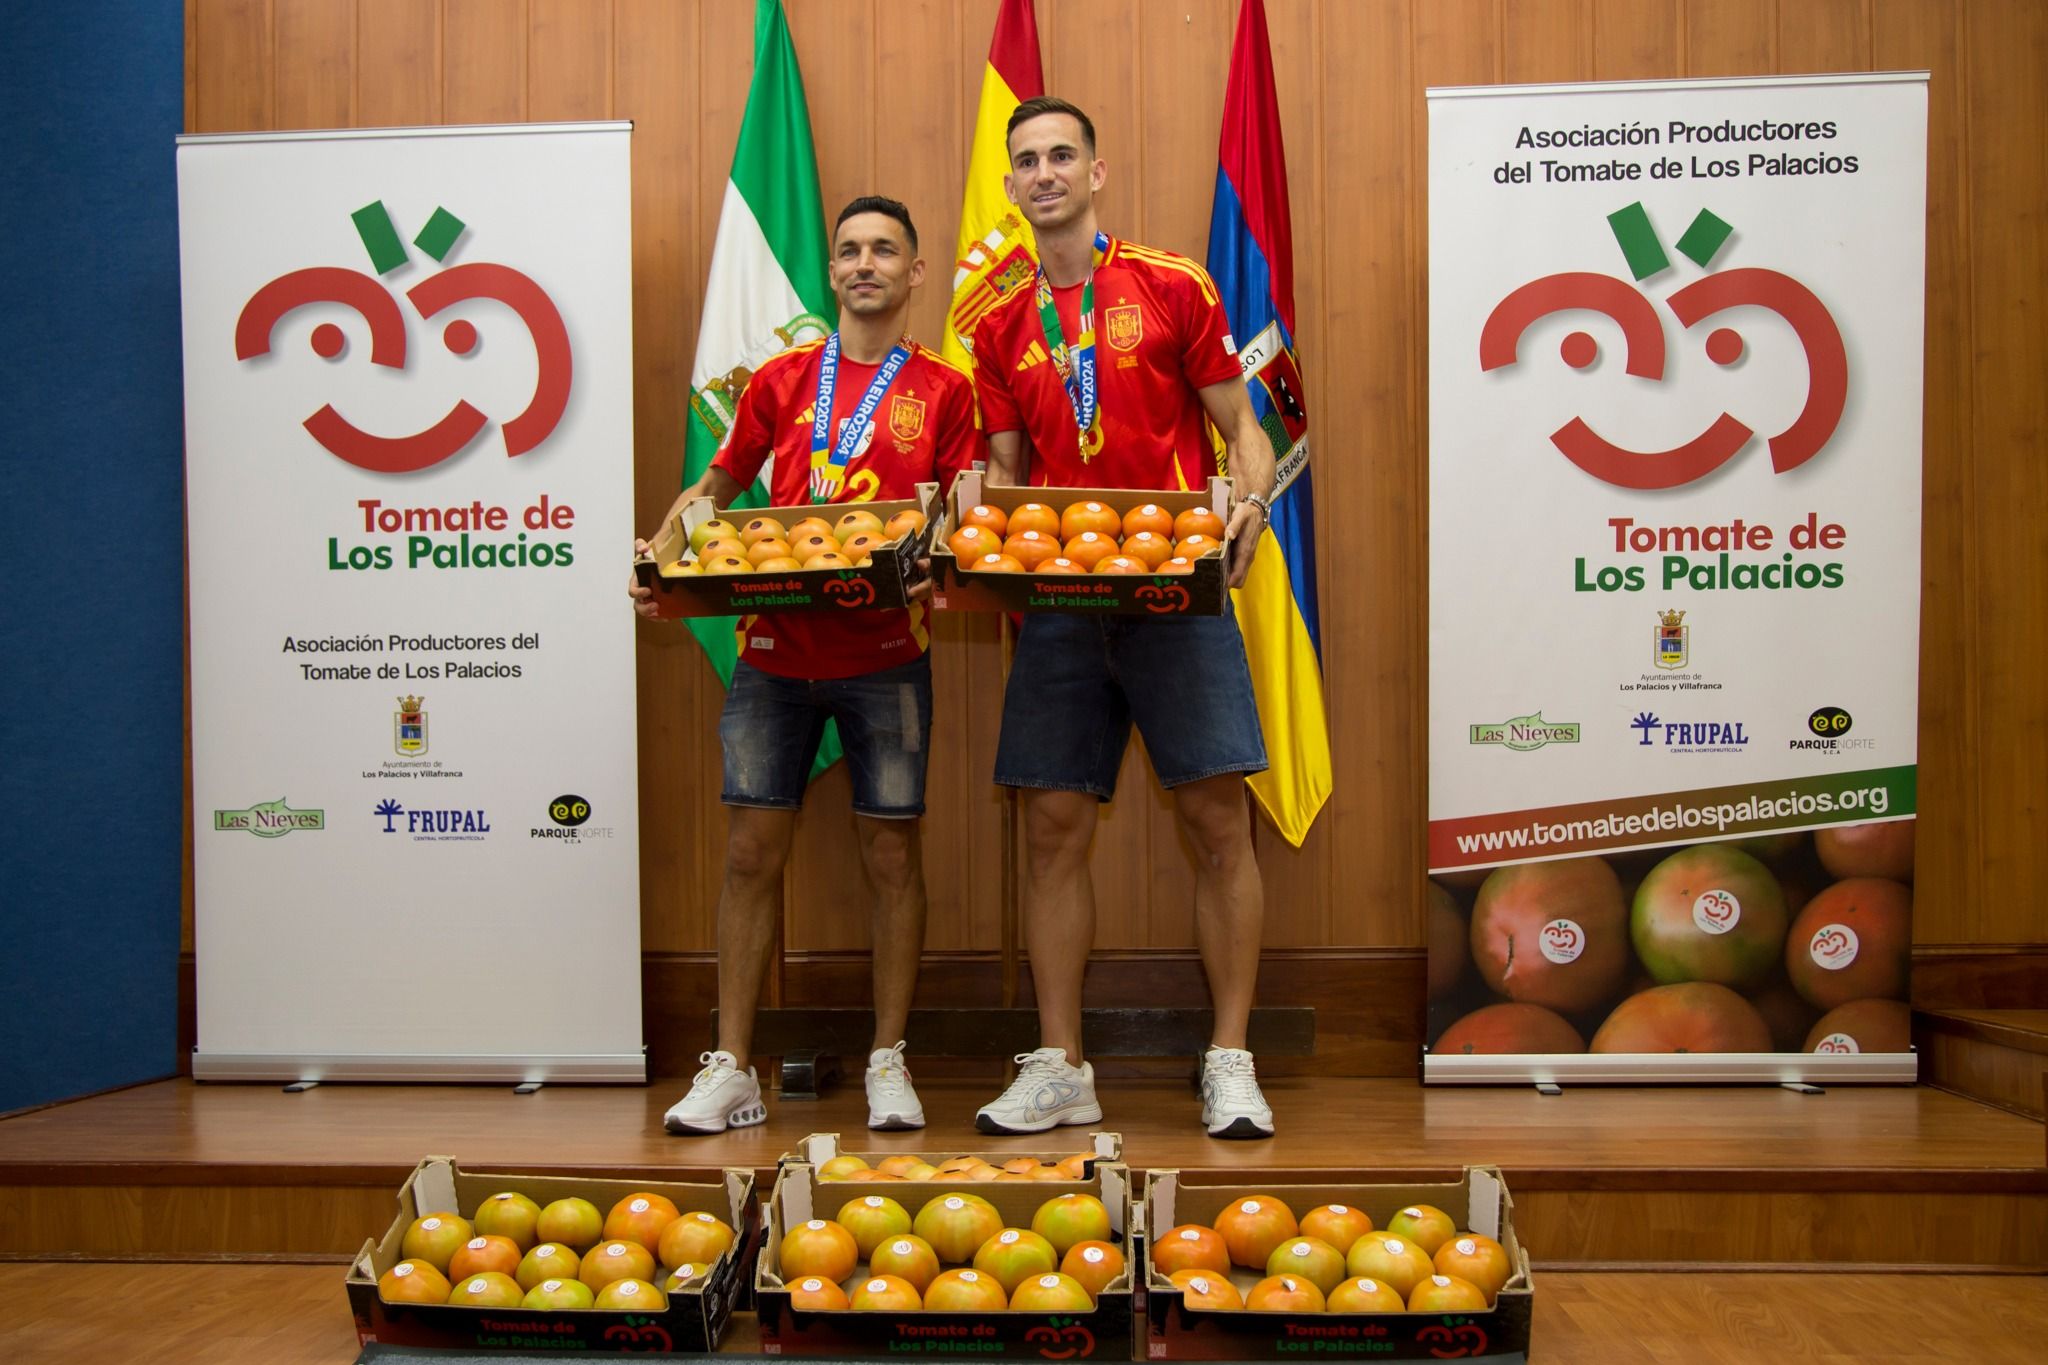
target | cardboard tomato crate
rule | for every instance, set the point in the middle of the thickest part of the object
(885, 583)
(1204, 592)
(1478, 1203)
(1102, 1333)
(693, 1321)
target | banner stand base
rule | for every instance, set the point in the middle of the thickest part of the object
(1665, 1068)
(306, 1070)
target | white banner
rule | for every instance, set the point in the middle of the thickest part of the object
(409, 443)
(1675, 359)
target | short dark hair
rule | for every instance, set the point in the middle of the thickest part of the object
(1039, 105)
(875, 203)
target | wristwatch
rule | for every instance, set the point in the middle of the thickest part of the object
(1259, 501)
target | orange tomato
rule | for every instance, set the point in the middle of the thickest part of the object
(721, 546)
(1191, 1247)
(1478, 1259)
(1149, 517)
(1149, 548)
(1253, 1226)
(819, 1247)
(1362, 1295)
(1195, 546)
(905, 523)
(1094, 1264)
(1447, 1294)
(860, 546)
(1198, 521)
(856, 523)
(996, 563)
(1035, 516)
(765, 549)
(1178, 564)
(762, 528)
(1204, 1288)
(815, 1292)
(810, 547)
(831, 559)
(1061, 565)
(1089, 516)
(1089, 548)
(809, 526)
(1285, 1294)
(970, 543)
(1121, 564)
(886, 1294)
(992, 519)
(1031, 548)
(784, 564)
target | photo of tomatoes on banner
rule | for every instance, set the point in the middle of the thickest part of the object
(1795, 942)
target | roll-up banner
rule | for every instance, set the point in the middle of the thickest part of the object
(1675, 384)
(409, 443)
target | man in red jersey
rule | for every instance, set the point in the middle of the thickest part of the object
(1108, 375)
(894, 415)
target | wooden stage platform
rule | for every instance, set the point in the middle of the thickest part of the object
(1724, 1177)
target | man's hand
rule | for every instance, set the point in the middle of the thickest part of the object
(643, 597)
(1247, 525)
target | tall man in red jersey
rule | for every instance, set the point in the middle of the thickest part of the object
(1103, 377)
(895, 415)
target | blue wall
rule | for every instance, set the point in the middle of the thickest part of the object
(92, 546)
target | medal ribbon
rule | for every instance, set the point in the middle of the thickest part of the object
(1076, 364)
(829, 458)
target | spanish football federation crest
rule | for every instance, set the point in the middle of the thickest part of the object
(409, 727)
(1126, 324)
(906, 417)
(1673, 639)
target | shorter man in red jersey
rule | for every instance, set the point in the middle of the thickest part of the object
(867, 670)
(1109, 374)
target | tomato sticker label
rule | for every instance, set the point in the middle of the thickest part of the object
(1562, 941)
(1716, 912)
(1833, 947)
(1838, 1044)
(405, 1268)
(1467, 1247)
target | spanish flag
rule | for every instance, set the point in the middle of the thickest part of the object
(1251, 258)
(996, 253)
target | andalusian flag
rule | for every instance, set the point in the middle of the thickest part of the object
(996, 252)
(769, 287)
(1251, 257)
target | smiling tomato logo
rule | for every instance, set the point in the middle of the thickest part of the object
(376, 304)
(1642, 332)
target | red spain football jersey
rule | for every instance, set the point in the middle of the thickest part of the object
(923, 432)
(1161, 334)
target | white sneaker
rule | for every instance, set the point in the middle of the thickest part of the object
(722, 1097)
(892, 1100)
(1232, 1106)
(1047, 1092)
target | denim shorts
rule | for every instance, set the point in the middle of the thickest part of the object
(771, 726)
(1077, 682)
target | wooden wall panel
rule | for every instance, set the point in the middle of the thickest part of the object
(1730, 37)
(483, 60)
(2005, 51)
(892, 87)
(316, 57)
(398, 63)
(234, 78)
(1547, 40)
(1909, 34)
(1373, 640)
(569, 60)
(1823, 35)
